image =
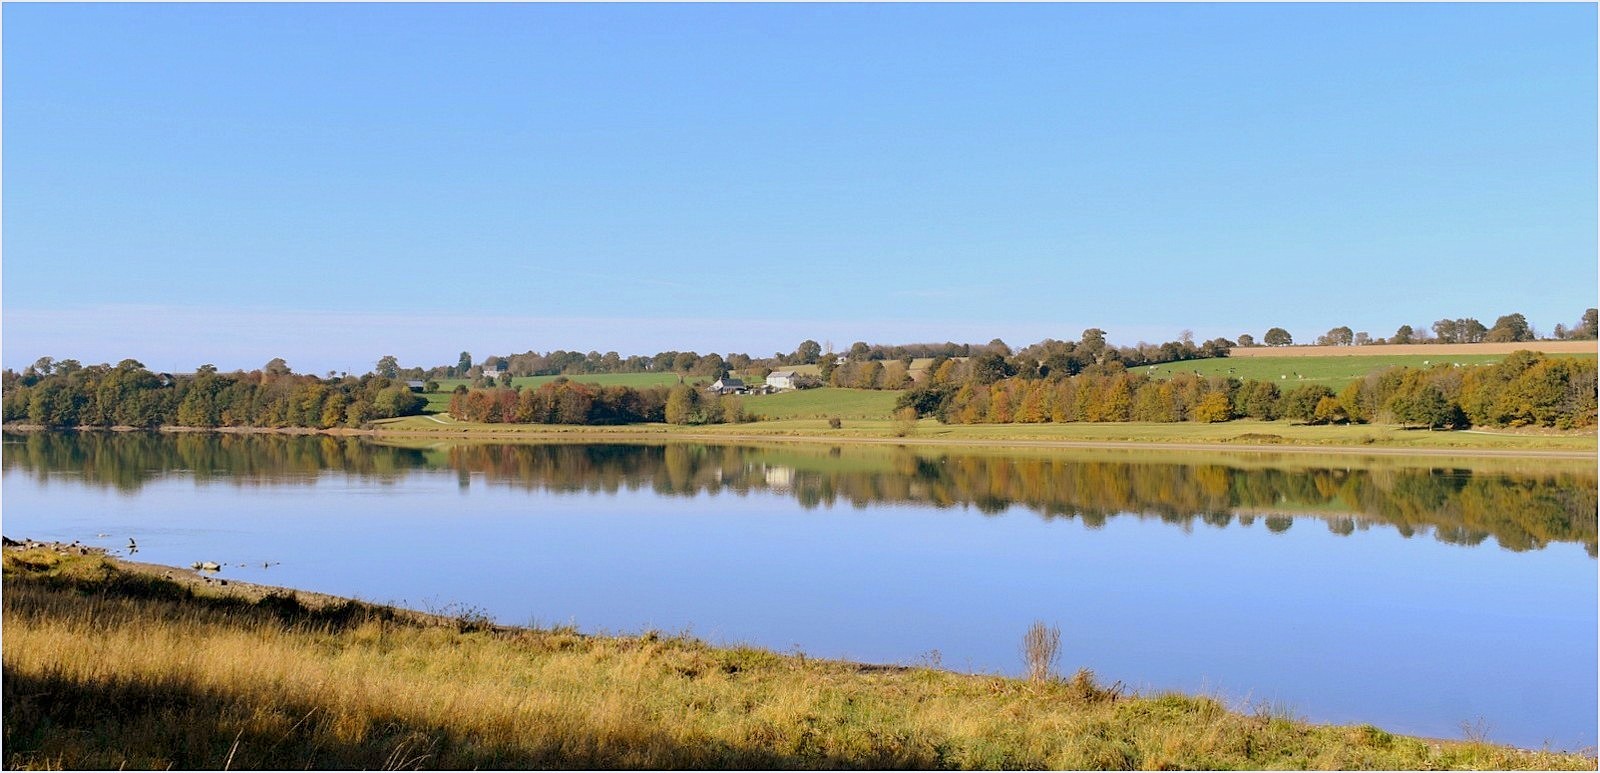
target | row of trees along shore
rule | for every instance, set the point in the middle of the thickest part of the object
(1525, 389)
(564, 401)
(1052, 381)
(67, 394)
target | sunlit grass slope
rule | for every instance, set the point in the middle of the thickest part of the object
(824, 402)
(108, 669)
(1330, 371)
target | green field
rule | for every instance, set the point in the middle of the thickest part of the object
(822, 403)
(1333, 372)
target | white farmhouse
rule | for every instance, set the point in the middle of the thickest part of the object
(727, 386)
(782, 379)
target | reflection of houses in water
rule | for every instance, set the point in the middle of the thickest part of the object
(780, 478)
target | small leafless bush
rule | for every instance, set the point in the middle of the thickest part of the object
(1041, 648)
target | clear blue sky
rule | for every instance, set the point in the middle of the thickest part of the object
(228, 183)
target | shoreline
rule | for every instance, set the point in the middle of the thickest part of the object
(519, 433)
(74, 564)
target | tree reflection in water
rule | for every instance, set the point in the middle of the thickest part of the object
(1521, 510)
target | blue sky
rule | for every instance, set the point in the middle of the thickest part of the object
(193, 183)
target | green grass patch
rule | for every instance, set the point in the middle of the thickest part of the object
(824, 402)
(1332, 371)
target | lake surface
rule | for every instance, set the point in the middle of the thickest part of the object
(1416, 598)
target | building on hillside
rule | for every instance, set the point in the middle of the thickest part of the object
(417, 386)
(783, 379)
(727, 386)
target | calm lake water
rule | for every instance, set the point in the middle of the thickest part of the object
(1340, 590)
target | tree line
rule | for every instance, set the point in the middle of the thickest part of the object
(67, 394)
(564, 401)
(500, 368)
(996, 360)
(1525, 389)
(1509, 328)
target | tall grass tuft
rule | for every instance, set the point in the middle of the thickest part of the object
(1041, 648)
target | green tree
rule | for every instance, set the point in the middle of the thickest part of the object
(1510, 328)
(1300, 404)
(388, 367)
(1404, 335)
(1590, 325)
(989, 367)
(808, 352)
(681, 404)
(1277, 337)
(1092, 345)
(1258, 400)
(1470, 331)
(1246, 340)
(1339, 336)
(868, 374)
(1448, 331)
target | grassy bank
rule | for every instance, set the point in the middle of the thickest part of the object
(1335, 370)
(107, 666)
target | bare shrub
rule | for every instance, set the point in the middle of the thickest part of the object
(1041, 648)
(905, 422)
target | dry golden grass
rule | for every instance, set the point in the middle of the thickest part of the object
(108, 668)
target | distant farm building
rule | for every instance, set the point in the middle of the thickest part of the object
(416, 386)
(727, 386)
(783, 379)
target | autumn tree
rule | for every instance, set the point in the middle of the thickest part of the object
(1277, 337)
(1212, 408)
